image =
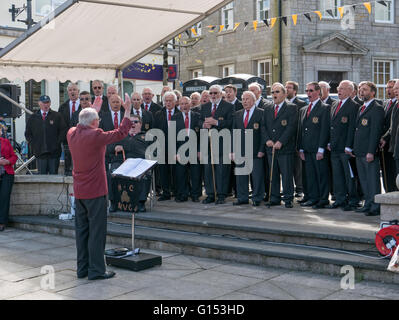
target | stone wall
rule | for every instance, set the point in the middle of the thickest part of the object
(41, 195)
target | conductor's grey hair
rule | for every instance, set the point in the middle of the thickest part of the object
(167, 94)
(87, 116)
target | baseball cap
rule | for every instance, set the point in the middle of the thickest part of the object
(44, 98)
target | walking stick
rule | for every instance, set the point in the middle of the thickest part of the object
(213, 166)
(271, 178)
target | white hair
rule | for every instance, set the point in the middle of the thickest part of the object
(72, 84)
(195, 94)
(255, 84)
(250, 93)
(167, 94)
(278, 84)
(87, 116)
(324, 84)
(217, 87)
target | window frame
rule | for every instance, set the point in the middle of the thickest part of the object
(258, 11)
(391, 13)
(387, 76)
(228, 9)
(324, 9)
(268, 77)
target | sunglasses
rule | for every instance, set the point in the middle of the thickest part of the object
(97, 88)
(213, 92)
(135, 121)
(309, 90)
(84, 99)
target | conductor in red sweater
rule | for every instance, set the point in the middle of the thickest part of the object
(87, 144)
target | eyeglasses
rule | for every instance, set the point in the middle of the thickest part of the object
(135, 121)
(97, 88)
(309, 90)
(273, 92)
(213, 92)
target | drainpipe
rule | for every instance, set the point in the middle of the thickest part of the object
(280, 39)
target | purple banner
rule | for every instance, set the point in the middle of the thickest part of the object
(148, 71)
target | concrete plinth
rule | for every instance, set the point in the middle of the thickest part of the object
(41, 194)
(389, 206)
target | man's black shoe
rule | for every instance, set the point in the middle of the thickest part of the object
(308, 203)
(164, 198)
(335, 205)
(82, 276)
(288, 204)
(298, 195)
(195, 199)
(320, 205)
(303, 200)
(363, 209)
(106, 275)
(220, 201)
(112, 207)
(208, 200)
(238, 203)
(372, 213)
(273, 203)
(255, 203)
(180, 199)
(141, 207)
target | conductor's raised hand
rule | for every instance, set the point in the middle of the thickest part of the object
(127, 105)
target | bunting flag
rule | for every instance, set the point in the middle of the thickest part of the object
(341, 11)
(255, 24)
(272, 22)
(368, 6)
(319, 14)
(294, 19)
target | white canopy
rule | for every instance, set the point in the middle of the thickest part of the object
(92, 39)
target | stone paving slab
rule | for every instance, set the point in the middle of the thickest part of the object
(180, 277)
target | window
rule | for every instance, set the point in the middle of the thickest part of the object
(262, 9)
(265, 71)
(330, 5)
(382, 73)
(197, 73)
(385, 14)
(227, 70)
(44, 7)
(228, 16)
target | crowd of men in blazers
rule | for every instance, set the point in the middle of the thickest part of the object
(314, 151)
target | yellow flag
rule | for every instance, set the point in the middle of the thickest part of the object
(194, 32)
(221, 28)
(319, 14)
(272, 22)
(368, 6)
(255, 23)
(295, 18)
(341, 11)
(236, 25)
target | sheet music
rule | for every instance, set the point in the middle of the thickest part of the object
(134, 168)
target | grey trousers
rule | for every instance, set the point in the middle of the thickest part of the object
(91, 231)
(369, 176)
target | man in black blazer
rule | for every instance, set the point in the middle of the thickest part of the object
(257, 91)
(45, 131)
(343, 118)
(217, 114)
(369, 125)
(147, 119)
(248, 119)
(162, 120)
(279, 136)
(387, 162)
(292, 88)
(67, 109)
(325, 93)
(148, 105)
(99, 101)
(188, 170)
(314, 129)
(231, 96)
(84, 102)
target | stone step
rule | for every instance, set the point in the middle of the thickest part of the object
(347, 239)
(265, 253)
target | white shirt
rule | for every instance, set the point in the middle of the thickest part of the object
(366, 104)
(167, 113)
(258, 101)
(77, 103)
(320, 150)
(279, 106)
(119, 116)
(140, 112)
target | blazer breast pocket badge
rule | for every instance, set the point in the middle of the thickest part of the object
(365, 122)
(315, 120)
(220, 119)
(256, 126)
(51, 122)
(283, 123)
(344, 119)
(147, 126)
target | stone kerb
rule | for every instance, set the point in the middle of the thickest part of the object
(389, 206)
(41, 194)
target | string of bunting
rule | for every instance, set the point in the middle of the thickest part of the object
(272, 21)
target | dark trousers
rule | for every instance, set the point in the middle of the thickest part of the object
(188, 177)
(6, 183)
(91, 232)
(316, 178)
(283, 165)
(369, 176)
(298, 174)
(344, 180)
(257, 182)
(222, 177)
(390, 172)
(47, 165)
(67, 160)
(166, 178)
